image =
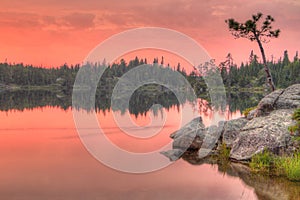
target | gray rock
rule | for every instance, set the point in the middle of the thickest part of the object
(232, 129)
(210, 139)
(190, 136)
(267, 104)
(187, 141)
(211, 136)
(290, 98)
(269, 132)
(173, 154)
(279, 99)
(201, 140)
(195, 124)
(266, 128)
(195, 136)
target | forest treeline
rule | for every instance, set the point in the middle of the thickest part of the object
(285, 71)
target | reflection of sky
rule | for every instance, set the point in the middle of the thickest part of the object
(55, 120)
(54, 32)
(41, 163)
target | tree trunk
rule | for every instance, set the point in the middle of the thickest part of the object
(267, 70)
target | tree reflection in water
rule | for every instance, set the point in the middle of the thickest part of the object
(140, 102)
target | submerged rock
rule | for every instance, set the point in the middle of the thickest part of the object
(173, 154)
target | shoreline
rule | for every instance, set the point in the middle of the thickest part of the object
(267, 139)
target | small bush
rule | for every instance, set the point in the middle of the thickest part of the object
(296, 116)
(291, 166)
(262, 162)
(248, 110)
(267, 162)
(224, 152)
(223, 158)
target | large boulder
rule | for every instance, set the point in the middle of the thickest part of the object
(173, 154)
(209, 139)
(190, 136)
(193, 125)
(194, 137)
(267, 104)
(232, 129)
(186, 138)
(269, 132)
(288, 98)
(267, 128)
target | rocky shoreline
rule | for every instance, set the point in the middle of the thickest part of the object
(265, 127)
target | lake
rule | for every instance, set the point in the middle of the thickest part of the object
(42, 157)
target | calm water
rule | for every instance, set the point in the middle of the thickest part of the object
(43, 158)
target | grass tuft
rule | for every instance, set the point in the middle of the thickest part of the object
(291, 167)
(266, 162)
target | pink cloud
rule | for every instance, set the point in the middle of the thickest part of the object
(80, 20)
(61, 22)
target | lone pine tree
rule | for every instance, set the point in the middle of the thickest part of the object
(261, 33)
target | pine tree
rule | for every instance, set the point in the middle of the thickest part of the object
(296, 57)
(286, 59)
(251, 31)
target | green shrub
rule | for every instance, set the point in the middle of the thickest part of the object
(223, 158)
(248, 110)
(224, 152)
(267, 162)
(293, 129)
(262, 162)
(291, 167)
(296, 116)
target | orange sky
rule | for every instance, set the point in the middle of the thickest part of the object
(54, 32)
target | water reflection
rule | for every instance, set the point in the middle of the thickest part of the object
(139, 104)
(43, 158)
(265, 187)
